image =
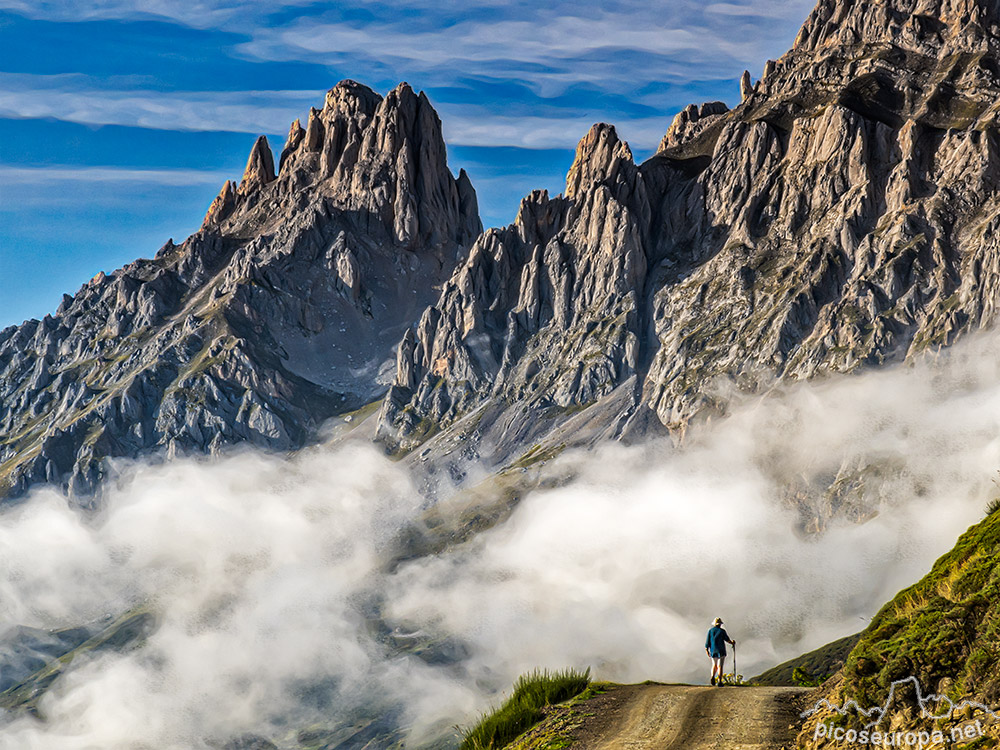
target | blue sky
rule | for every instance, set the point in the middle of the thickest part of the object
(120, 119)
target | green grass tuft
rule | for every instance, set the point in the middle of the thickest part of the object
(532, 693)
(735, 680)
(993, 506)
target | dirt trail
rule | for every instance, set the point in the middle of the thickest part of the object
(671, 717)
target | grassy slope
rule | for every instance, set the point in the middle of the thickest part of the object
(120, 634)
(555, 731)
(944, 630)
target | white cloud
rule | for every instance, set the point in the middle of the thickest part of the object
(527, 41)
(777, 9)
(523, 42)
(200, 14)
(67, 98)
(543, 44)
(623, 56)
(264, 571)
(487, 129)
(11, 176)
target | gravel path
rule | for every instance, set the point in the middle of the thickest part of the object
(671, 717)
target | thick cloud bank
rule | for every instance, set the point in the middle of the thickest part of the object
(275, 609)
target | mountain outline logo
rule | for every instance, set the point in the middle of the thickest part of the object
(924, 701)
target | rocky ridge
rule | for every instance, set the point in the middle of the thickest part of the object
(282, 310)
(842, 215)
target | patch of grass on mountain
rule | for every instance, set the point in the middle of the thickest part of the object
(944, 630)
(538, 454)
(127, 631)
(532, 693)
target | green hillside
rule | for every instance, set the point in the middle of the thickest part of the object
(817, 664)
(943, 630)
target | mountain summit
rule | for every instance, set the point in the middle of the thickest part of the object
(380, 160)
(924, 25)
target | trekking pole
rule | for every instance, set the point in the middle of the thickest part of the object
(736, 678)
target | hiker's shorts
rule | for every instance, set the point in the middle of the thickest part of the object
(718, 661)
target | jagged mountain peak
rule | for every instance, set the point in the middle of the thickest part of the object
(222, 205)
(842, 215)
(349, 95)
(934, 62)
(282, 310)
(600, 155)
(260, 168)
(382, 159)
(690, 121)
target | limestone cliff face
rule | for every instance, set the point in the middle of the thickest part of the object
(380, 160)
(281, 311)
(843, 215)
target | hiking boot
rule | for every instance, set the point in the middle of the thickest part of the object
(713, 682)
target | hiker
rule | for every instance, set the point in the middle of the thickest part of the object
(715, 647)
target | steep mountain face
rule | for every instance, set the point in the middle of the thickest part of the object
(281, 311)
(842, 215)
(546, 314)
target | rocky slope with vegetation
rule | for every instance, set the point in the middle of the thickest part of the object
(941, 632)
(842, 215)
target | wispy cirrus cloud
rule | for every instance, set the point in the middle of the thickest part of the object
(77, 99)
(550, 46)
(77, 195)
(762, 9)
(628, 62)
(50, 175)
(72, 99)
(199, 14)
(485, 129)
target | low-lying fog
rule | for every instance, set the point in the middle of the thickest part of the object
(265, 573)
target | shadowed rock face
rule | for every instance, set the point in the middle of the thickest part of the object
(547, 310)
(281, 311)
(843, 215)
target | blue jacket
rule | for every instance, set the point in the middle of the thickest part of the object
(716, 642)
